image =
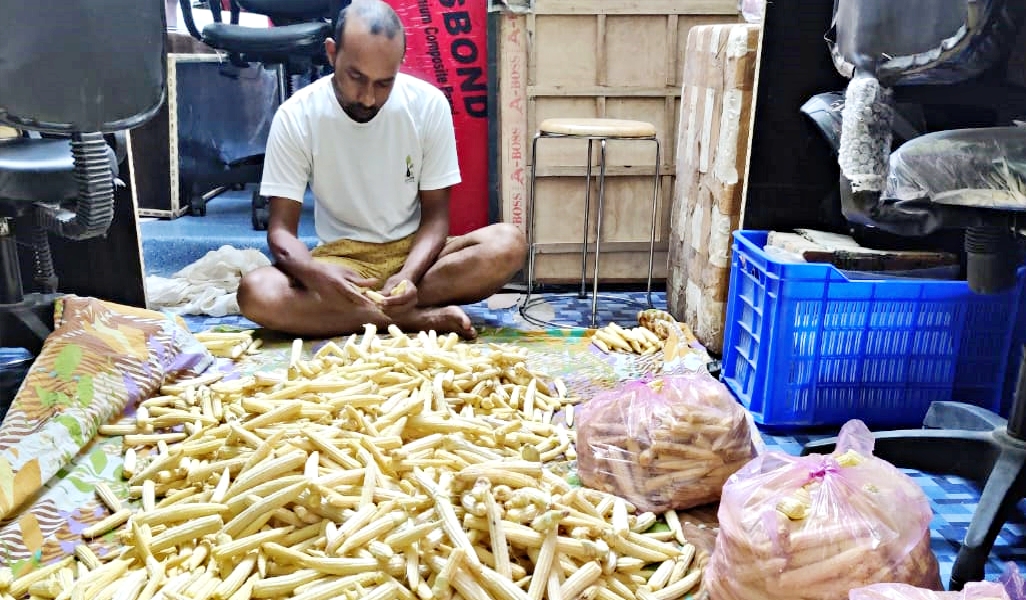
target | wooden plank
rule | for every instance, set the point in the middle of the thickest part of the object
(611, 171)
(637, 51)
(495, 153)
(585, 58)
(627, 215)
(636, 7)
(570, 248)
(636, 153)
(619, 267)
(151, 190)
(514, 137)
(531, 48)
(602, 91)
(671, 51)
(573, 39)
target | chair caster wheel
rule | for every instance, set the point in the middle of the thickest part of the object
(261, 212)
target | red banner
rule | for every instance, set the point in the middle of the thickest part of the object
(447, 45)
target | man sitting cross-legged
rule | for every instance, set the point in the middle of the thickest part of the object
(378, 150)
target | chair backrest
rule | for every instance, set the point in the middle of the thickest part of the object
(880, 27)
(923, 41)
(82, 65)
(289, 10)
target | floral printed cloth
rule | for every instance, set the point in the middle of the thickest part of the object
(101, 358)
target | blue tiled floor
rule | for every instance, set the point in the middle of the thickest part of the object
(171, 245)
(568, 310)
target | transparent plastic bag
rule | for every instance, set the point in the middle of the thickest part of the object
(1013, 582)
(668, 443)
(816, 527)
(1010, 586)
(900, 591)
(752, 10)
(983, 167)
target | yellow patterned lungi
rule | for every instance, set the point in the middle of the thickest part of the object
(368, 259)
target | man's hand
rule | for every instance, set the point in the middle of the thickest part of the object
(400, 294)
(334, 283)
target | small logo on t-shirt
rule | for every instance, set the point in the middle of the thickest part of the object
(409, 169)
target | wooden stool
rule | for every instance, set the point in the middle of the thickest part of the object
(592, 130)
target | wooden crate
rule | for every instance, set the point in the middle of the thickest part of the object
(716, 118)
(165, 190)
(155, 153)
(594, 58)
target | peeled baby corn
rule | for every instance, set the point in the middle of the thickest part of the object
(638, 340)
(377, 468)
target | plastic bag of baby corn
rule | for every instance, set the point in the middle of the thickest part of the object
(668, 443)
(1010, 586)
(817, 527)
(900, 591)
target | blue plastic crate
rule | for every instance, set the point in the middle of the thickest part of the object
(806, 346)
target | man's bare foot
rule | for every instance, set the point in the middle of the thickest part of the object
(445, 319)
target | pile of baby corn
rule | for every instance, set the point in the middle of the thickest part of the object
(385, 467)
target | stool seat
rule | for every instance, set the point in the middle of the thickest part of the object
(607, 128)
(596, 132)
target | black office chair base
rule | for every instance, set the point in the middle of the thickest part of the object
(28, 323)
(970, 442)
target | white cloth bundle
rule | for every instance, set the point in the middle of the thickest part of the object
(207, 286)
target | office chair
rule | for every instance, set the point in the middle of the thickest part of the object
(70, 72)
(971, 179)
(294, 46)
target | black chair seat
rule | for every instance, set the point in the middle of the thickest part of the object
(983, 167)
(256, 42)
(40, 170)
(33, 170)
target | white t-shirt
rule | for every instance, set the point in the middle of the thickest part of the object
(365, 177)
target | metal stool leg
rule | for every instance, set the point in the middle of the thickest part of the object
(598, 228)
(652, 233)
(587, 212)
(531, 220)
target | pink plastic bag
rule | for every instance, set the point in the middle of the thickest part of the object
(1013, 582)
(670, 443)
(900, 591)
(817, 527)
(1008, 587)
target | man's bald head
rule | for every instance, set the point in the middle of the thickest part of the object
(375, 15)
(367, 53)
